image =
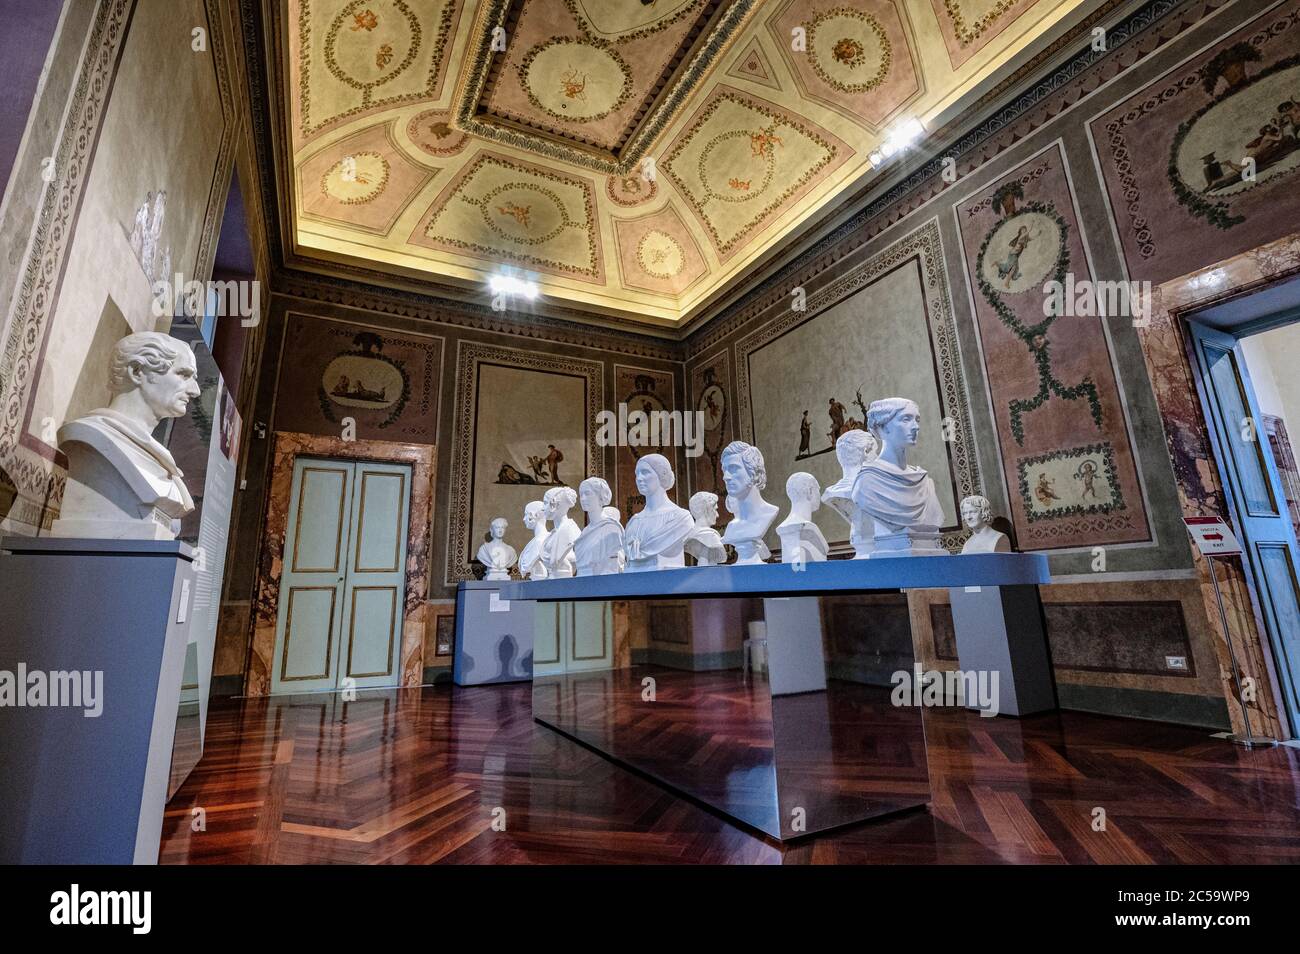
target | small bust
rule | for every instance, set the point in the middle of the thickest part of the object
(854, 449)
(121, 482)
(655, 535)
(598, 549)
(744, 474)
(894, 494)
(802, 540)
(557, 551)
(497, 555)
(703, 542)
(977, 513)
(531, 566)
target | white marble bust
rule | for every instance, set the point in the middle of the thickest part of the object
(655, 535)
(802, 541)
(745, 475)
(976, 513)
(496, 555)
(854, 449)
(531, 566)
(597, 550)
(557, 551)
(899, 498)
(123, 484)
(703, 542)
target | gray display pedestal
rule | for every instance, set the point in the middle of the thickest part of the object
(494, 637)
(79, 790)
(1000, 629)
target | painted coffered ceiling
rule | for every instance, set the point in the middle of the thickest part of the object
(634, 157)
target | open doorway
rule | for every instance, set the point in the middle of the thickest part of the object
(1246, 352)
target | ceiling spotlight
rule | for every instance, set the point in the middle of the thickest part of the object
(904, 134)
(513, 285)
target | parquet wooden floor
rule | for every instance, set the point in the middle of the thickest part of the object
(432, 774)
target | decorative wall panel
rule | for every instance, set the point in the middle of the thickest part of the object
(525, 422)
(649, 392)
(1202, 163)
(1062, 430)
(386, 382)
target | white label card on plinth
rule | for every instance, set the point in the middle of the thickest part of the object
(183, 611)
(497, 605)
(1213, 536)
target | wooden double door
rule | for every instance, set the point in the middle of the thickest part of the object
(343, 584)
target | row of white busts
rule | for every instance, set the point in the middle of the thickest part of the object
(891, 507)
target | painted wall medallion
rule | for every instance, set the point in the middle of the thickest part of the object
(371, 42)
(364, 378)
(631, 190)
(660, 255)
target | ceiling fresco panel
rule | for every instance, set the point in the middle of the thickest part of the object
(634, 157)
(358, 57)
(506, 209)
(742, 160)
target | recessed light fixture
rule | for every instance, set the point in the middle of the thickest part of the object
(904, 134)
(503, 284)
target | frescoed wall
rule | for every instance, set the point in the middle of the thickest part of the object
(1064, 432)
(651, 393)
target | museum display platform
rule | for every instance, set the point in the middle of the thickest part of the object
(768, 692)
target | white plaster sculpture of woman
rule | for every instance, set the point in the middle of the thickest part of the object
(123, 484)
(654, 536)
(597, 548)
(745, 475)
(802, 541)
(531, 566)
(557, 551)
(976, 513)
(611, 513)
(497, 555)
(899, 498)
(703, 542)
(854, 449)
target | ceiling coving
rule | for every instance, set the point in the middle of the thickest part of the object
(632, 156)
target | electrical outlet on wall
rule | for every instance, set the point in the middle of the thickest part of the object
(1176, 662)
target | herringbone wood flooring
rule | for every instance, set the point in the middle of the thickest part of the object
(422, 775)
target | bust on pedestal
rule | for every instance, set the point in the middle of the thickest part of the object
(744, 474)
(496, 555)
(654, 536)
(898, 497)
(123, 484)
(854, 449)
(976, 513)
(598, 549)
(531, 566)
(802, 541)
(557, 551)
(703, 542)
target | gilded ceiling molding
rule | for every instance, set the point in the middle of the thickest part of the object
(493, 13)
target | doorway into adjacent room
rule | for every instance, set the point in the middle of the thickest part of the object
(1247, 359)
(343, 585)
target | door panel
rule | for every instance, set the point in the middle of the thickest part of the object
(376, 581)
(547, 659)
(1253, 489)
(311, 587)
(343, 590)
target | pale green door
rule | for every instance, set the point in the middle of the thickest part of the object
(342, 585)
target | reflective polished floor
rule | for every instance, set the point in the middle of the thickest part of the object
(435, 774)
